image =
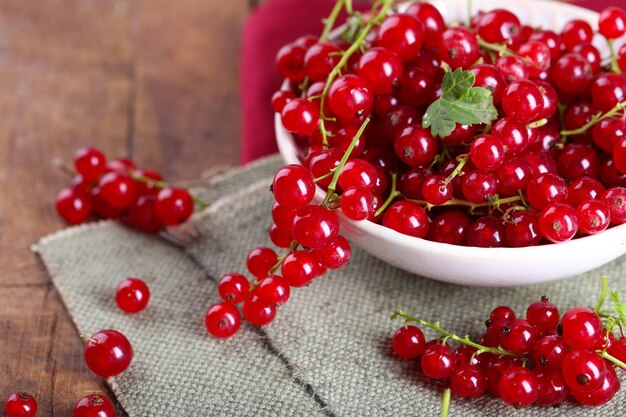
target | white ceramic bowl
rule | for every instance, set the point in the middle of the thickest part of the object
(484, 266)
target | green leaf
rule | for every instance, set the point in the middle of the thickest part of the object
(460, 102)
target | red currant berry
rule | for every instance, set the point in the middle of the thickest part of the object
(512, 68)
(602, 395)
(381, 68)
(260, 260)
(436, 191)
(523, 101)
(438, 361)
(478, 186)
(558, 222)
(233, 287)
(132, 295)
(518, 387)
(487, 153)
(512, 134)
(458, 47)
(149, 187)
(300, 116)
(108, 353)
(300, 268)
(500, 26)
(546, 189)
(518, 336)
(450, 226)
(522, 229)
(73, 205)
(280, 99)
(293, 186)
(20, 404)
(548, 352)
(582, 328)
(357, 203)
(274, 290)
(591, 55)
(543, 315)
(612, 22)
(173, 206)
(408, 342)
(117, 190)
(583, 370)
(402, 34)
(584, 189)
(90, 163)
(320, 59)
(257, 311)
(432, 20)
(335, 255)
(537, 56)
(350, 98)
(571, 73)
(489, 77)
(416, 146)
(616, 199)
(468, 381)
(607, 132)
(358, 173)
(417, 86)
(142, 214)
(502, 313)
(315, 227)
(594, 216)
(486, 232)
(407, 218)
(551, 40)
(494, 369)
(576, 32)
(608, 90)
(94, 405)
(222, 320)
(552, 388)
(290, 61)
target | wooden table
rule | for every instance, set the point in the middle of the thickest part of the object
(154, 80)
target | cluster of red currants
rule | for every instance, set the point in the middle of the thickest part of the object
(107, 353)
(537, 360)
(543, 159)
(118, 189)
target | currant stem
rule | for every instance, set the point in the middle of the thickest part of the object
(329, 22)
(605, 286)
(333, 183)
(462, 161)
(161, 184)
(595, 119)
(457, 202)
(500, 49)
(614, 66)
(445, 402)
(538, 123)
(612, 359)
(464, 340)
(392, 195)
(293, 247)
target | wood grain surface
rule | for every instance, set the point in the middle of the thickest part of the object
(154, 80)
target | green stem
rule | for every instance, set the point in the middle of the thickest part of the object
(161, 184)
(537, 124)
(445, 402)
(393, 194)
(500, 49)
(329, 22)
(612, 359)
(605, 286)
(614, 66)
(595, 119)
(356, 45)
(333, 183)
(464, 340)
(458, 202)
(322, 177)
(462, 161)
(274, 268)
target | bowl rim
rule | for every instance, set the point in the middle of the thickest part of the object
(289, 152)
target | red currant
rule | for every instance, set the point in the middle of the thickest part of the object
(336, 254)
(233, 287)
(519, 387)
(407, 218)
(300, 116)
(315, 227)
(20, 404)
(108, 353)
(300, 268)
(257, 311)
(583, 370)
(132, 295)
(273, 289)
(543, 315)
(222, 320)
(402, 34)
(558, 222)
(582, 328)
(438, 361)
(612, 22)
(458, 47)
(173, 206)
(548, 352)
(94, 405)
(90, 163)
(293, 186)
(468, 381)
(260, 260)
(117, 190)
(73, 205)
(408, 342)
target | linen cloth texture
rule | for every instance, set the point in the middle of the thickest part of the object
(327, 352)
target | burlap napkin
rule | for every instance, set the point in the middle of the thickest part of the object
(328, 350)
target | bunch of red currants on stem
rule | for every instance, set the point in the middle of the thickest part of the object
(107, 353)
(118, 189)
(542, 359)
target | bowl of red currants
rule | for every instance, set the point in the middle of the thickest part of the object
(462, 142)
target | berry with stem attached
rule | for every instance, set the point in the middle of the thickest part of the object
(108, 353)
(20, 404)
(94, 405)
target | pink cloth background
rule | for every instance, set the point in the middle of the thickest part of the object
(269, 27)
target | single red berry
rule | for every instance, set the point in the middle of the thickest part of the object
(300, 268)
(222, 320)
(315, 227)
(381, 68)
(108, 353)
(432, 20)
(149, 187)
(300, 116)
(502, 313)
(320, 59)
(416, 147)
(513, 135)
(494, 369)
(458, 47)
(546, 189)
(583, 370)
(408, 342)
(518, 387)
(489, 77)
(90, 163)
(551, 40)
(73, 205)
(512, 68)
(544, 315)
(20, 404)
(552, 388)
(257, 311)
(357, 173)
(487, 153)
(94, 405)
(142, 214)
(518, 336)
(582, 327)
(576, 32)
(468, 381)
(335, 255)
(280, 98)
(290, 61)
(486, 232)
(558, 222)
(523, 101)
(260, 260)
(617, 349)
(584, 189)
(274, 290)
(435, 190)
(522, 229)
(591, 55)
(607, 132)
(408, 218)
(357, 203)
(612, 22)
(132, 295)
(602, 395)
(500, 26)
(117, 190)
(450, 227)
(548, 352)
(350, 98)
(608, 90)
(402, 34)
(293, 186)
(233, 287)
(478, 186)
(537, 56)
(120, 165)
(438, 361)
(173, 206)
(594, 216)
(616, 199)
(571, 73)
